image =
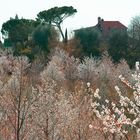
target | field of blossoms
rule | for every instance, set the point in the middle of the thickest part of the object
(67, 98)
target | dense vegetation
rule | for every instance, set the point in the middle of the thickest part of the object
(57, 100)
(36, 37)
(79, 88)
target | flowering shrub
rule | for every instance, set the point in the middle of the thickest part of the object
(122, 117)
(87, 70)
(39, 101)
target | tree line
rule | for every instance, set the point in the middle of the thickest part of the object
(119, 44)
(30, 37)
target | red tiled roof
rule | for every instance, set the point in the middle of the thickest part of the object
(113, 25)
(107, 25)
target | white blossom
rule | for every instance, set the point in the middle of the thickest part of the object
(96, 94)
(90, 126)
(88, 84)
(137, 65)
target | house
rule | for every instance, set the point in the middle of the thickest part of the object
(105, 28)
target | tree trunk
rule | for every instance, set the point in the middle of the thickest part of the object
(59, 27)
(113, 135)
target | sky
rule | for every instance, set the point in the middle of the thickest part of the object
(87, 11)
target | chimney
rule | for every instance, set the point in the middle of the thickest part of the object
(100, 26)
(99, 20)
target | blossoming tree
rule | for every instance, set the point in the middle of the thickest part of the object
(120, 119)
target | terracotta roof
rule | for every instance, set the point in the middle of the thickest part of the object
(107, 25)
(113, 25)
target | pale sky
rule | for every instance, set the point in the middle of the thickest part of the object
(88, 10)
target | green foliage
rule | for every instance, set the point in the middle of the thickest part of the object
(133, 56)
(41, 36)
(89, 39)
(16, 34)
(7, 43)
(134, 28)
(118, 45)
(134, 41)
(17, 30)
(55, 16)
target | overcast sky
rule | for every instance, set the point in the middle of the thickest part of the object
(88, 10)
